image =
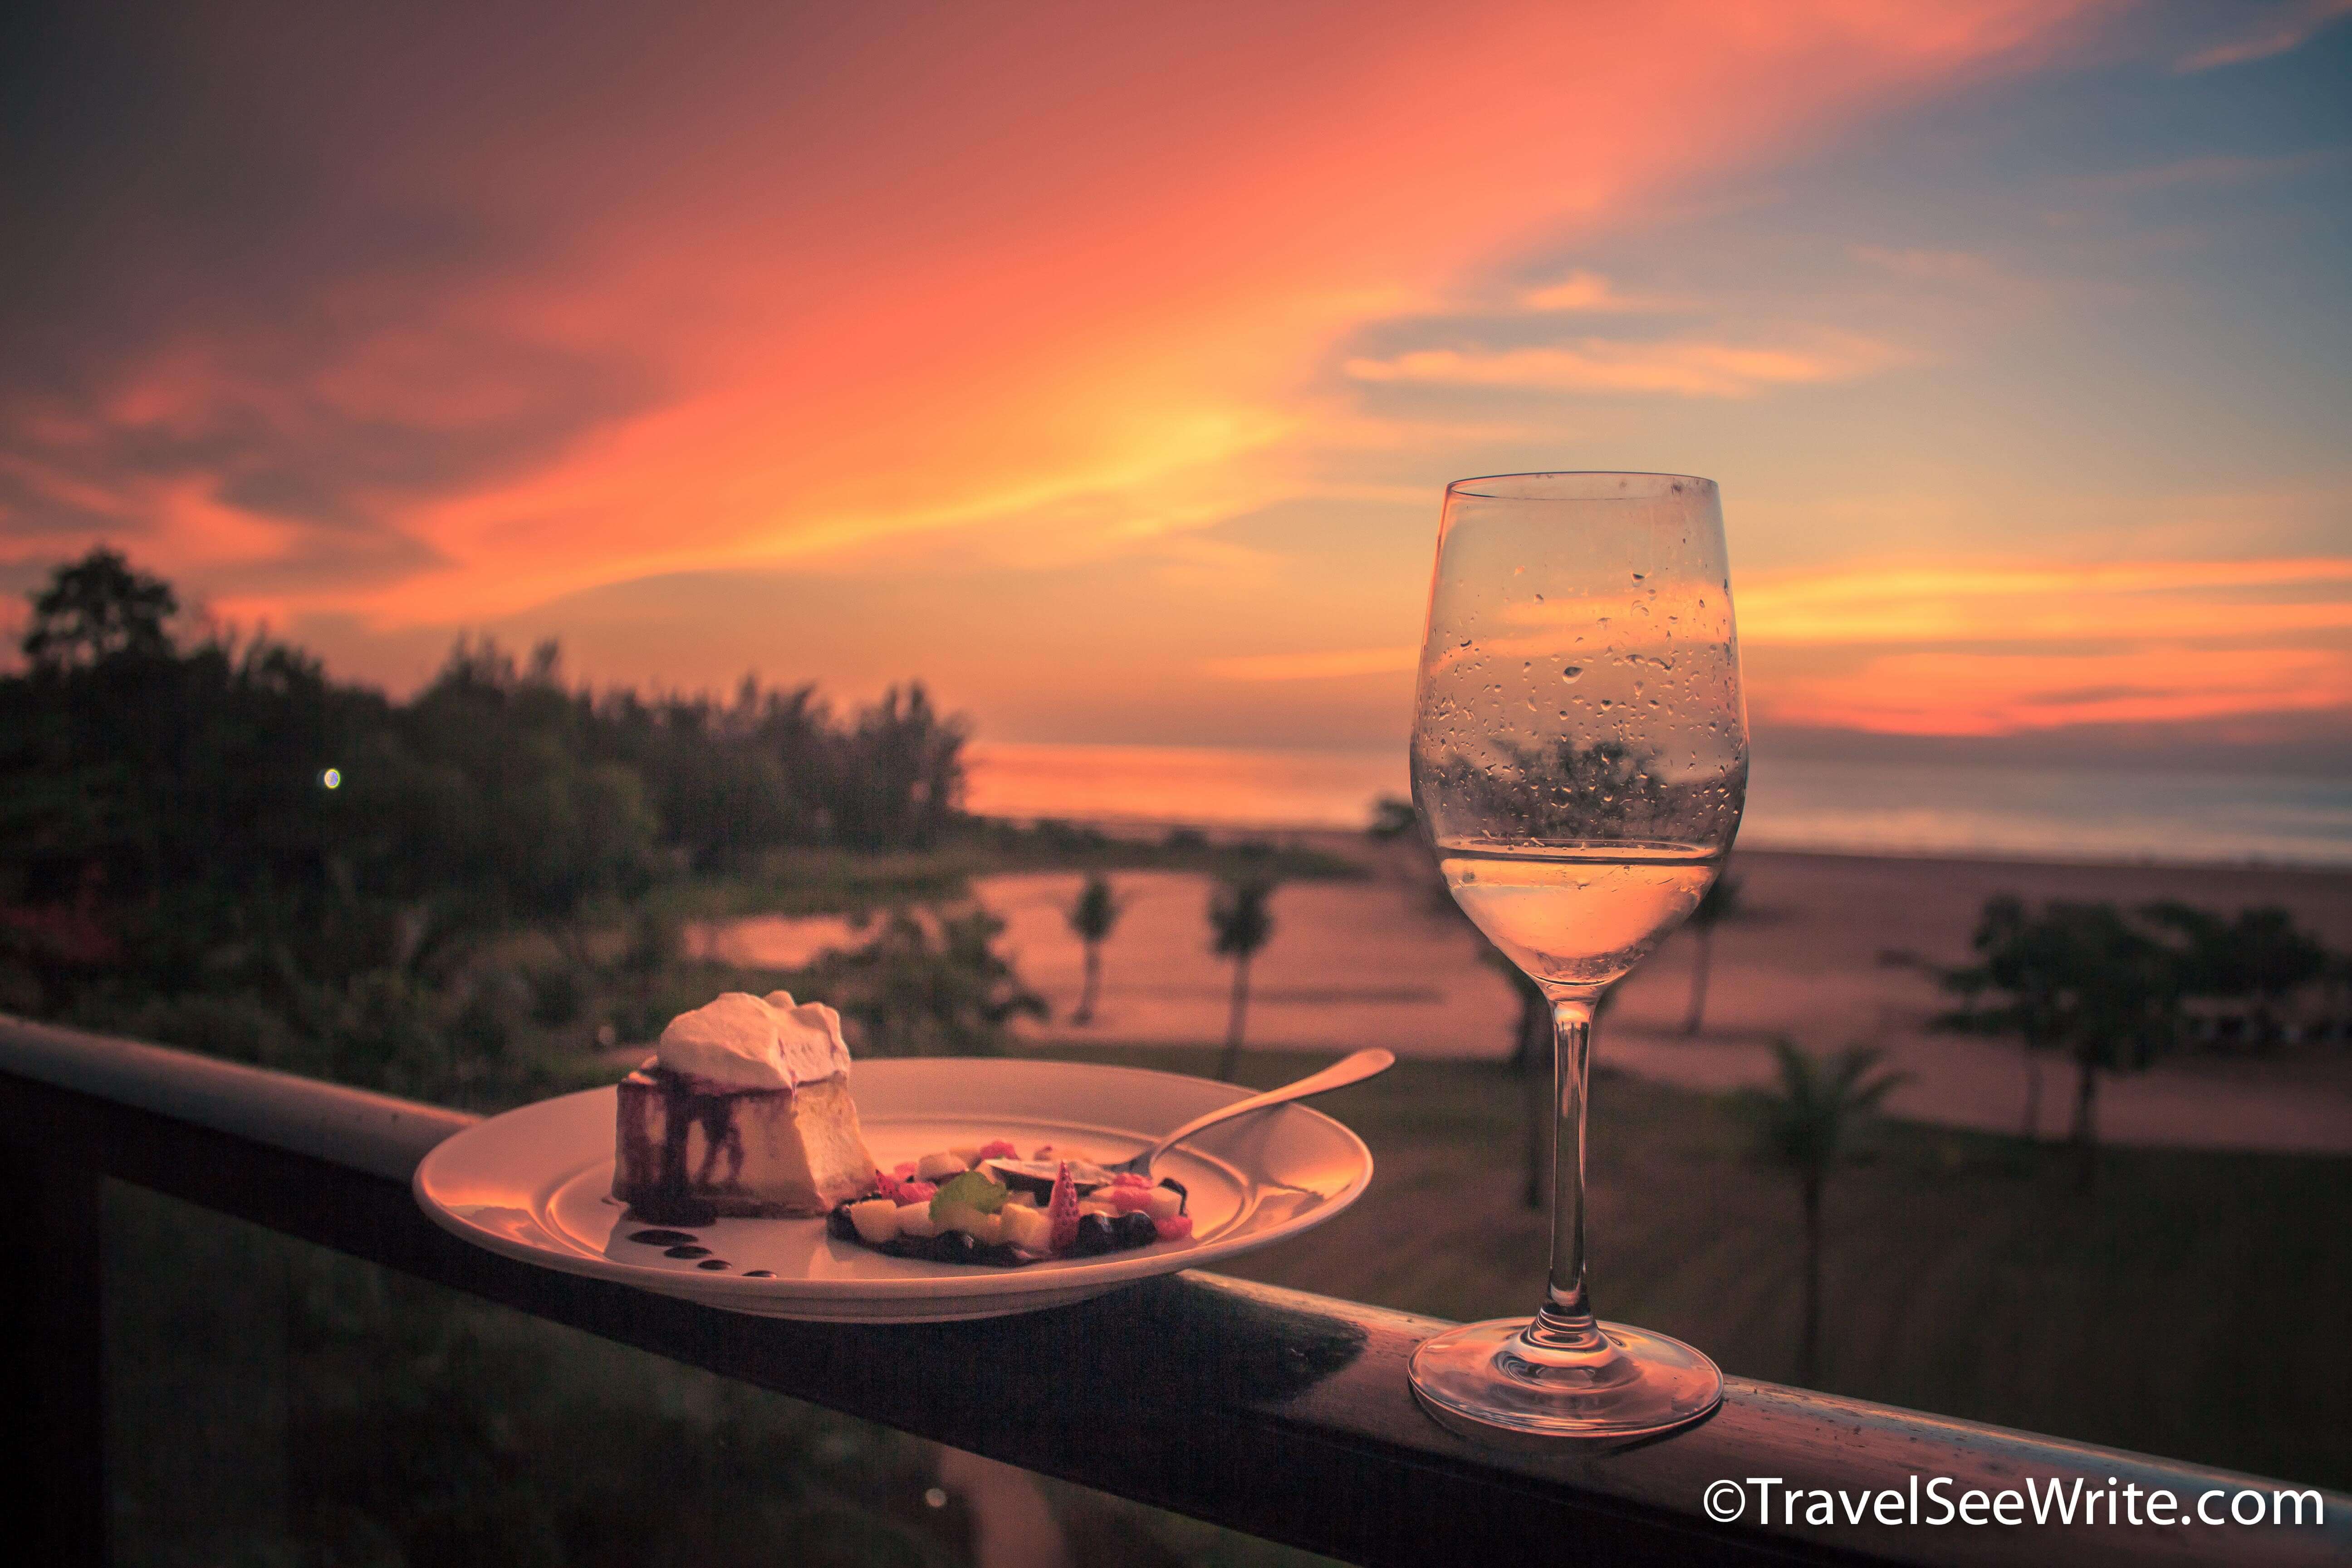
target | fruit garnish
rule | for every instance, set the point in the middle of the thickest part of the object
(1175, 1227)
(1027, 1229)
(972, 1190)
(997, 1149)
(903, 1192)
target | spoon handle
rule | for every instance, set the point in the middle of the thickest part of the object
(1346, 1070)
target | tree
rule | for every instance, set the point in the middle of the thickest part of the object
(2019, 969)
(1804, 1125)
(2076, 977)
(2260, 957)
(1721, 902)
(912, 993)
(1242, 918)
(1091, 919)
(97, 609)
(903, 781)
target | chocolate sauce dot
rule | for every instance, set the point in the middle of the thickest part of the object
(759, 1274)
(664, 1238)
(712, 1262)
(687, 1252)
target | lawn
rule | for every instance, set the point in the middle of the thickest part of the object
(2193, 1305)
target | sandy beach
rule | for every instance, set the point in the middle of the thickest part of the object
(1815, 954)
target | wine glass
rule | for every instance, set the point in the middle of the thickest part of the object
(1580, 758)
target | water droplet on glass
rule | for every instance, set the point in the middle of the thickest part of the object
(1572, 674)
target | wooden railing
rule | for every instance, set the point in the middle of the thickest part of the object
(1269, 1411)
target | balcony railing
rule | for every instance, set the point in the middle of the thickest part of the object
(1269, 1411)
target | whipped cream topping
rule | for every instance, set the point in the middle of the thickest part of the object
(753, 1042)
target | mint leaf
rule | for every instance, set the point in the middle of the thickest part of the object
(972, 1190)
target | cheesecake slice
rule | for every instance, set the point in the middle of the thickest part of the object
(743, 1108)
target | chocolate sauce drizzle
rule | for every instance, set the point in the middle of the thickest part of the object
(683, 1107)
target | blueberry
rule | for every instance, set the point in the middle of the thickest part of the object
(956, 1246)
(837, 1224)
(1135, 1229)
(1095, 1235)
(1003, 1254)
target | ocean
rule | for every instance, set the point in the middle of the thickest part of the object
(1895, 808)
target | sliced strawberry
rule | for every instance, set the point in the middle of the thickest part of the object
(997, 1149)
(899, 1191)
(1131, 1179)
(1176, 1227)
(1062, 1212)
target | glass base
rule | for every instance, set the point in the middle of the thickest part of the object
(1485, 1381)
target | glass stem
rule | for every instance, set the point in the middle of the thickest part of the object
(1565, 1322)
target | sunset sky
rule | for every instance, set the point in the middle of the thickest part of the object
(1101, 365)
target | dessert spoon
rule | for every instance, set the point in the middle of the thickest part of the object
(1338, 1075)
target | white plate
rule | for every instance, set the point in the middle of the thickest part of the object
(535, 1184)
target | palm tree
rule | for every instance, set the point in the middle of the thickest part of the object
(1804, 1126)
(1240, 916)
(1721, 902)
(1091, 919)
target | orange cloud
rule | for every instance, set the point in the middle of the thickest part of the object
(1963, 649)
(1972, 602)
(1335, 663)
(1586, 291)
(1044, 270)
(1950, 693)
(1683, 367)
(1967, 648)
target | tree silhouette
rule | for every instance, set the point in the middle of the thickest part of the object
(218, 846)
(1721, 902)
(97, 609)
(2260, 957)
(1804, 1124)
(911, 993)
(1241, 918)
(2021, 967)
(1091, 920)
(2076, 977)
